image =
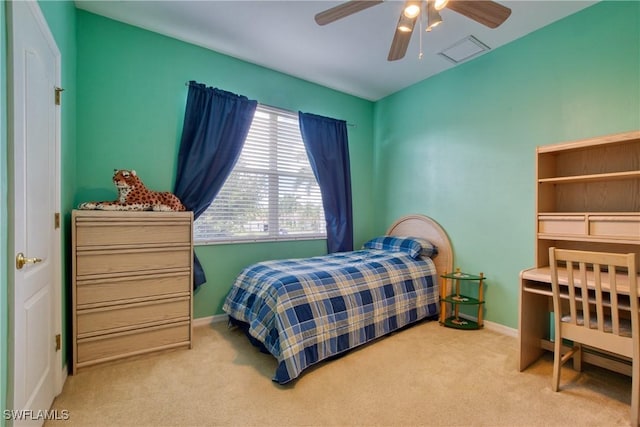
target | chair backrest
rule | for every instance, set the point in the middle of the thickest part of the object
(597, 287)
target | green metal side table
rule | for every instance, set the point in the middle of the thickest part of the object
(456, 299)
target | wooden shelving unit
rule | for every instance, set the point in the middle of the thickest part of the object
(588, 195)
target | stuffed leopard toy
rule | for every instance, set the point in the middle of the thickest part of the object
(134, 196)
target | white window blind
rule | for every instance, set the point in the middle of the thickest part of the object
(271, 194)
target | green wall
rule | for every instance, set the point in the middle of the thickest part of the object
(130, 112)
(460, 146)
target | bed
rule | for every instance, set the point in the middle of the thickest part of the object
(303, 311)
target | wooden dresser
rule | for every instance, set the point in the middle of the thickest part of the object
(131, 284)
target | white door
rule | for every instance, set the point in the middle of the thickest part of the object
(33, 73)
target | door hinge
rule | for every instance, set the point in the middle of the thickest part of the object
(58, 345)
(56, 220)
(58, 94)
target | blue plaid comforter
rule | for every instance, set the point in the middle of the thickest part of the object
(307, 310)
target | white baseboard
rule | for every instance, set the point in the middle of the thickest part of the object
(495, 327)
(205, 321)
(501, 329)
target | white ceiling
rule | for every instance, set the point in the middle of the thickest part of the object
(349, 55)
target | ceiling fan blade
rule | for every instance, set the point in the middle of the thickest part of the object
(343, 10)
(487, 13)
(399, 45)
(401, 39)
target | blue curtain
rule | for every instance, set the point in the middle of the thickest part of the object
(327, 146)
(216, 124)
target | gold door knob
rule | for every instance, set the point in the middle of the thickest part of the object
(21, 260)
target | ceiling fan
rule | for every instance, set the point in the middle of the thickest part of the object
(488, 13)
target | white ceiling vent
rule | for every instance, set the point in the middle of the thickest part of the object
(465, 49)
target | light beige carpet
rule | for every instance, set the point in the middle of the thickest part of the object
(426, 375)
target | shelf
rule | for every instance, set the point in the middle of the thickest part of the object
(461, 323)
(461, 276)
(588, 239)
(598, 141)
(611, 176)
(590, 213)
(462, 300)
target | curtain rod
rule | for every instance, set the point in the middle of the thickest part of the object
(281, 109)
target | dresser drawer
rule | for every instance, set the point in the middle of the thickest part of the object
(616, 226)
(129, 316)
(562, 224)
(90, 262)
(98, 291)
(114, 346)
(108, 233)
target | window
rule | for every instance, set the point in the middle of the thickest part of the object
(271, 194)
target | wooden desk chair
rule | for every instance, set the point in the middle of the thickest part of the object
(595, 321)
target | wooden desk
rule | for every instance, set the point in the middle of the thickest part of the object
(534, 324)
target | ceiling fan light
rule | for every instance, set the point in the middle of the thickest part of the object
(440, 4)
(412, 10)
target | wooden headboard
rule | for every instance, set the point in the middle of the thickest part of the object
(426, 228)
